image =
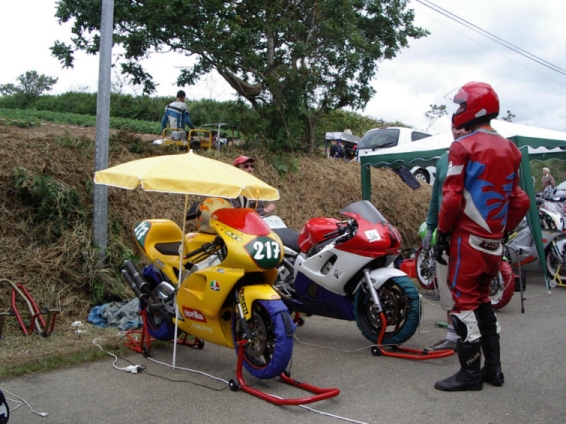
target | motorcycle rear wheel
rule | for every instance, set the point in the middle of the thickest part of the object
(158, 327)
(552, 262)
(426, 269)
(502, 286)
(269, 350)
(400, 301)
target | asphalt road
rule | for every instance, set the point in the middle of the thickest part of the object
(328, 353)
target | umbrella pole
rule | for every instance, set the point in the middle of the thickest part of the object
(181, 250)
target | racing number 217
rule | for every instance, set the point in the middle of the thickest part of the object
(266, 250)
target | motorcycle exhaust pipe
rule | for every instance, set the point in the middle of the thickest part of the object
(138, 283)
(133, 285)
(138, 279)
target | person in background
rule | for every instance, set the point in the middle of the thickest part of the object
(481, 202)
(547, 179)
(177, 114)
(446, 302)
(247, 164)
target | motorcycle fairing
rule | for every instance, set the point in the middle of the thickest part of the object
(245, 220)
(206, 291)
(315, 299)
(331, 269)
(250, 243)
(372, 239)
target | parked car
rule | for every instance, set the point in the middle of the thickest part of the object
(383, 138)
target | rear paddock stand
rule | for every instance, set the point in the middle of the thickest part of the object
(37, 323)
(404, 352)
(319, 393)
(140, 340)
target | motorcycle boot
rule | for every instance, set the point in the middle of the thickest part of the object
(469, 376)
(488, 325)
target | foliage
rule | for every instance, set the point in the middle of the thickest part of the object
(509, 117)
(51, 202)
(292, 61)
(142, 114)
(132, 125)
(31, 85)
(434, 114)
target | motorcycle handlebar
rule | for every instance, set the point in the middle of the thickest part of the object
(205, 247)
(342, 227)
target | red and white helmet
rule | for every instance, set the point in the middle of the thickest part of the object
(205, 210)
(478, 103)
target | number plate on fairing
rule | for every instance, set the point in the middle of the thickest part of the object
(265, 252)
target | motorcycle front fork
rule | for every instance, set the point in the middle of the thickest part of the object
(372, 292)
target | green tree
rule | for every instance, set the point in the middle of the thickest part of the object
(31, 85)
(509, 117)
(291, 60)
(434, 114)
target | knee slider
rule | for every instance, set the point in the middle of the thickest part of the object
(459, 327)
(466, 326)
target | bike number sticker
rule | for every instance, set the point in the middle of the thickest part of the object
(372, 235)
(140, 232)
(265, 252)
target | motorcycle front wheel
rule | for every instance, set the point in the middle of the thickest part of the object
(270, 346)
(553, 263)
(426, 269)
(502, 286)
(400, 301)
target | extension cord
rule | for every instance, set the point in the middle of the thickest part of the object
(134, 369)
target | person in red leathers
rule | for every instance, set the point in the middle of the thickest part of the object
(481, 202)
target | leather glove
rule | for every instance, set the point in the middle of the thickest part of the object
(442, 245)
(426, 240)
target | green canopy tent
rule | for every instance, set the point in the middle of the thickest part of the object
(534, 143)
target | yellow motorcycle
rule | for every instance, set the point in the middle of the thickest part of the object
(226, 293)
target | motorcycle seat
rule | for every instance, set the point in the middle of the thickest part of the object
(289, 237)
(168, 248)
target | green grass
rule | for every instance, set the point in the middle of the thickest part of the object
(30, 117)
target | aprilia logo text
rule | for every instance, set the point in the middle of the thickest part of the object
(193, 314)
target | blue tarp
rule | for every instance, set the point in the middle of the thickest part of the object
(123, 315)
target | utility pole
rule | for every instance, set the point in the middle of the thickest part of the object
(100, 224)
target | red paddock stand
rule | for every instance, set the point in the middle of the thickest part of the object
(37, 322)
(406, 353)
(140, 340)
(319, 393)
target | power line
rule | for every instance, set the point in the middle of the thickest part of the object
(491, 36)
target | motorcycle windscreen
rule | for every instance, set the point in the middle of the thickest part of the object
(366, 210)
(243, 219)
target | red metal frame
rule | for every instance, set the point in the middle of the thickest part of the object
(414, 354)
(319, 393)
(137, 344)
(36, 314)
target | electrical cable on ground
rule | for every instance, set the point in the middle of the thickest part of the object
(141, 368)
(20, 401)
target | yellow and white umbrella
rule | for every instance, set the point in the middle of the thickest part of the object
(186, 173)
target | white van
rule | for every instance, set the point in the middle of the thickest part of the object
(383, 138)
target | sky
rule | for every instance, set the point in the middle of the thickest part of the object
(428, 72)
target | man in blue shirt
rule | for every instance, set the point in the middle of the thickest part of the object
(177, 114)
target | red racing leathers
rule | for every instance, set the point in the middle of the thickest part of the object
(481, 201)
